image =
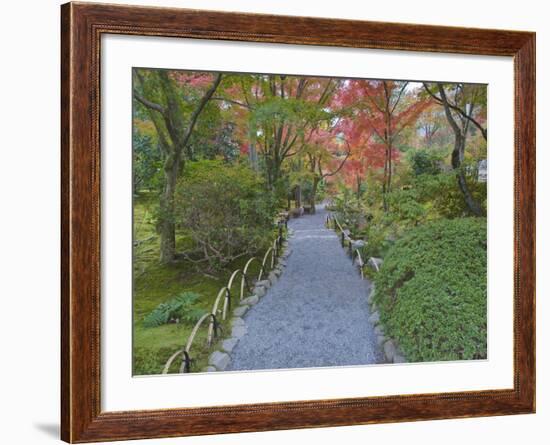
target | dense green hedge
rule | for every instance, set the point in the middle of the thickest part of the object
(432, 291)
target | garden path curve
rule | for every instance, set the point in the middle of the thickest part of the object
(316, 314)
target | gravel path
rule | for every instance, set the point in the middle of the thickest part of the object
(316, 314)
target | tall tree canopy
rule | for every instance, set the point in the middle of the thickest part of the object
(382, 110)
(278, 115)
(304, 135)
(174, 102)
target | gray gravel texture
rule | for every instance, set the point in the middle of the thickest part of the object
(316, 314)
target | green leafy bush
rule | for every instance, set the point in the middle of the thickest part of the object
(378, 241)
(147, 162)
(424, 161)
(405, 207)
(226, 211)
(350, 211)
(432, 291)
(179, 308)
(441, 195)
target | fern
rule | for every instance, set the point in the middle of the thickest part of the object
(193, 315)
(178, 308)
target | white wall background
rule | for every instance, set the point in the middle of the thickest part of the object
(29, 219)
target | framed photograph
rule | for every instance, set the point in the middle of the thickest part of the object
(274, 222)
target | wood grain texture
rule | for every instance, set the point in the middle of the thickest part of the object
(81, 28)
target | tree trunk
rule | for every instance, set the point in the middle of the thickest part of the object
(167, 228)
(458, 156)
(456, 160)
(387, 141)
(390, 167)
(253, 157)
(386, 180)
(275, 173)
(298, 196)
(312, 196)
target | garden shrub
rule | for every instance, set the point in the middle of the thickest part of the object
(378, 235)
(406, 208)
(147, 162)
(348, 208)
(225, 209)
(425, 161)
(432, 291)
(443, 197)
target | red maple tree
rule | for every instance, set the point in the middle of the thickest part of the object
(379, 111)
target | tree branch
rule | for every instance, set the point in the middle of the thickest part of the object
(339, 167)
(341, 164)
(245, 94)
(459, 111)
(147, 103)
(197, 111)
(399, 97)
(371, 99)
(447, 108)
(231, 101)
(325, 94)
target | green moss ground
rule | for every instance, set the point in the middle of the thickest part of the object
(155, 284)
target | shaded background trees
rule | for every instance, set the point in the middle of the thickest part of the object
(372, 144)
(174, 115)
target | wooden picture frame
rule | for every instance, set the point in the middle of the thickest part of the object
(82, 26)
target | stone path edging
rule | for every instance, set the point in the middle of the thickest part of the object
(390, 347)
(220, 359)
